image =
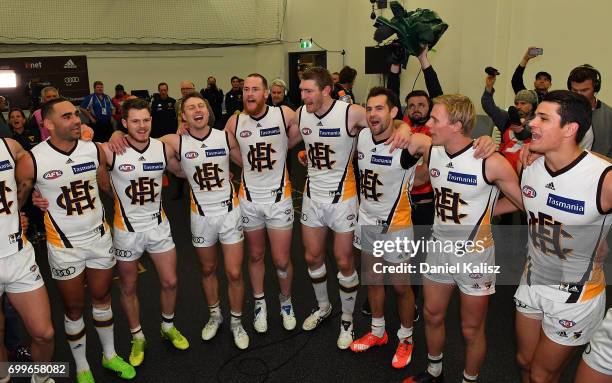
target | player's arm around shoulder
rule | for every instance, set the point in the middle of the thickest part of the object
(499, 171)
(230, 132)
(294, 136)
(606, 193)
(102, 174)
(356, 119)
(104, 146)
(173, 164)
(419, 146)
(25, 171)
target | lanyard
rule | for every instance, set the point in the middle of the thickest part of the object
(102, 107)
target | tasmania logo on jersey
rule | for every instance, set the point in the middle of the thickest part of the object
(461, 178)
(215, 152)
(126, 168)
(52, 174)
(191, 155)
(381, 160)
(529, 192)
(5, 165)
(245, 134)
(329, 132)
(269, 132)
(152, 166)
(82, 168)
(565, 204)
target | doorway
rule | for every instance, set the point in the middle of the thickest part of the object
(302, 60)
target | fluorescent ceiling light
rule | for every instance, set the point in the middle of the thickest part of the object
(8, 79)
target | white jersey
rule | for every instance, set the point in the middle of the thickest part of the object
(12, 239)
(67, 180)
(386, 179)
(329, 146)
(566, 225)
(137, 184)
(464, 197)
(263, 146)
(205, 161)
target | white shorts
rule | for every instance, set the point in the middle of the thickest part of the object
(276, 215)
(568, 324)
(341, 217)
(207, 231)
(472, 272)
(598, 353)
(19, 272)
(129, 246)
(67, 263)
(366, 238)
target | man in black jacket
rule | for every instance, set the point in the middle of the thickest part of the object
(163, 112)
(233, 98)
(214, 96)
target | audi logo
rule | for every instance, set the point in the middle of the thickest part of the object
(63, 272)
(122, 253)
(191, 155)
(52, 174)
(71, 80)
(245, 134)
(126, 167)
(197, 239)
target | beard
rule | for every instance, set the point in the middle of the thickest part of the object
(419, 121)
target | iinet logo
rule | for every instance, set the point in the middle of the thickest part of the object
(70, 64)
(36, 65)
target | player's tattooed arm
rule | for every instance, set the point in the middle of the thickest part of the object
(25, 174)
(293, 129)
(419, 146)
(102, 175)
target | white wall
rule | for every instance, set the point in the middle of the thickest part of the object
(481, 33)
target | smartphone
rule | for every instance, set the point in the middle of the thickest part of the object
(536, 51)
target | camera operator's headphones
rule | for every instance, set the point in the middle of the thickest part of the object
(596, 74)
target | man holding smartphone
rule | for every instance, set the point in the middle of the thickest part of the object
(543, 80)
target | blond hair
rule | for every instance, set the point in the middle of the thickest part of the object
(460, 109)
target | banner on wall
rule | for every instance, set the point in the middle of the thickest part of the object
(66, 73)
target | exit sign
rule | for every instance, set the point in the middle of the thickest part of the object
(305, 44)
